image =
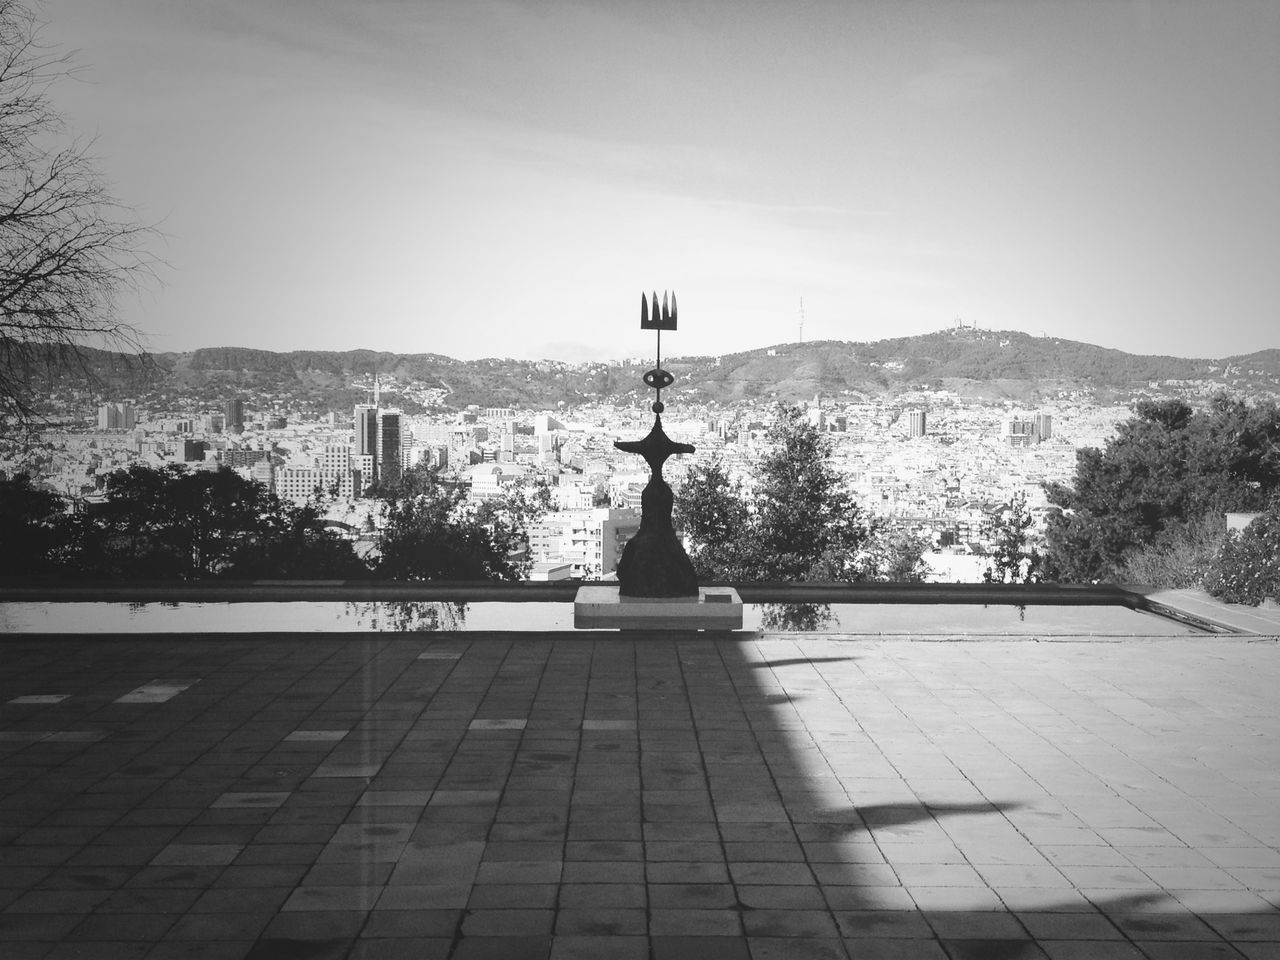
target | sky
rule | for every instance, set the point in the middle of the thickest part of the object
(480, 178)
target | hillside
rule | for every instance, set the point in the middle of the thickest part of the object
(976, 362)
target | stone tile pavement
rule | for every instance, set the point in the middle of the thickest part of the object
(661, 796)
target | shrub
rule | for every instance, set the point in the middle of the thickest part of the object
(1247, 568)
(1180, 557)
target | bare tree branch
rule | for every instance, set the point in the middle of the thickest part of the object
(68, 248)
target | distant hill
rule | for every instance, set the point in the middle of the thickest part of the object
(974, 362)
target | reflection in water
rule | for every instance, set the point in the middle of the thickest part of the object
(799, 617)
(1021, 608)
(421, 616)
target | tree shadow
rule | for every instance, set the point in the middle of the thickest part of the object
(903, 814)
(797, 661)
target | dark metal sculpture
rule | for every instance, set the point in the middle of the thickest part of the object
(654, 563)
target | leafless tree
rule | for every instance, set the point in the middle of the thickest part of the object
(68, 248)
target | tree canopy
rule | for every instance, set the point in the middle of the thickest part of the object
(1013, 559)
(433, 532)
(798, 521)
(1167, 466)
(33, 528)
(171, 524)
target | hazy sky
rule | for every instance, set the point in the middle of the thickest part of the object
(483, 178)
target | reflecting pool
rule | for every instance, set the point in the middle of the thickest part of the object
(930, 620)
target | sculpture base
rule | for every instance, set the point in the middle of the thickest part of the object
(601, 608)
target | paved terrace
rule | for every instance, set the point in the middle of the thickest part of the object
(661, 796)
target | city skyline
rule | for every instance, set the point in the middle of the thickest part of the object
(495, 179)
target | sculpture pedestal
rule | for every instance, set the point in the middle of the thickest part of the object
(601, 608)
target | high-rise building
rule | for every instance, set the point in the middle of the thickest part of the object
(334, 458)
(117, 416)
(1020, 432)
(234, 413)
(388, 457)
(918, 423)
(1042, 427)
(366, 427)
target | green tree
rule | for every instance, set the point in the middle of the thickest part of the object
(895, 556)
(712, 513)
(1167, 465)
(294, 544)
(798, 522)
(433, 532)
(34, 528)
(1014, 559)
(171, 523)
(806, 523)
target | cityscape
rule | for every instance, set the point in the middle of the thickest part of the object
(931, 462)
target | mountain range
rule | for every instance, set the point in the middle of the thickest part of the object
(993, 364)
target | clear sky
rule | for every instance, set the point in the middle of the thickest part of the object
(481, 178)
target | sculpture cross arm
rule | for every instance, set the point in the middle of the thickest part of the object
(644, 446)
(655, 447)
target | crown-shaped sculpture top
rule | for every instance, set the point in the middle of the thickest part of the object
(663, 318)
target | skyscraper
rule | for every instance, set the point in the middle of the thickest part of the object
(116, 416)
(1042, 427)
(235, 416)
(366, 425)
(388, 457)
(918, 428)
(365, 451)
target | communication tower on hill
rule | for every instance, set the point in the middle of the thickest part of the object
(802, 319)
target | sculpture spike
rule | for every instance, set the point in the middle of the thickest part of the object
(644, 312)
(666, 314)
(673, 308)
